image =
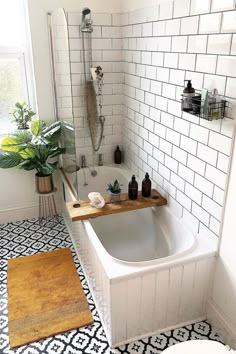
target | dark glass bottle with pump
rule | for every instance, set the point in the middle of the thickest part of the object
(133, 189)
(188, 94)
(146, 186)
(117, 155)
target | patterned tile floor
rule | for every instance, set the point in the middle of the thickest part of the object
(27, 238)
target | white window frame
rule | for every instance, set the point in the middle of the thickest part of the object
(25, 55)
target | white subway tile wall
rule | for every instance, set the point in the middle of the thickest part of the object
(146, 55)
(107, 52)
(186, 157)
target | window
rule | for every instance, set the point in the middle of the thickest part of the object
(16, 73)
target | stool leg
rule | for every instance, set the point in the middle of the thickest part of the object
(54, 208)
(50, 206)
(42, 207)
(40, 210)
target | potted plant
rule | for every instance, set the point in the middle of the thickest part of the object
(115, 190)
(22, 114)
(34, 149)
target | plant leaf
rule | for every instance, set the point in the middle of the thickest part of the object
(115, 187)
(53, 132)
(9, 159)
(27, 153)
(27, 165)
(47, 169)
(57, 151)
(37, 127)
(9, 144)
(22, 136)
(20, 105)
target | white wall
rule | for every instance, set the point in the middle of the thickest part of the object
(178, 149)
(132, 5)
(224, 290)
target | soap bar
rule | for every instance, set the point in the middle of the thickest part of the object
(96, 200)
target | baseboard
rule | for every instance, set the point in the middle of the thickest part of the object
(157, 332)
(222, 325)
(25, 212)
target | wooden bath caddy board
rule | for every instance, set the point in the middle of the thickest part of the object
(82, 210)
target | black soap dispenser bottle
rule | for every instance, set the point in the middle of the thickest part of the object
(188, 94)
(133, 188)
(146, 186)
(117, 155)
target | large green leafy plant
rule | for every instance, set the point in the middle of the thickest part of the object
(34, 149)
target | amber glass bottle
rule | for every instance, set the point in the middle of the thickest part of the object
(146, 186)
(133, 188)
(117, 155)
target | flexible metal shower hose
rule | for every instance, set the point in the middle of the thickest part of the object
(90, 97)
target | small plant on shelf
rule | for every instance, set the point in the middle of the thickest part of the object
(115, 190)
(22, 114)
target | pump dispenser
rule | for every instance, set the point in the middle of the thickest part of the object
(133, 188)
(188, 94)
(146, 186)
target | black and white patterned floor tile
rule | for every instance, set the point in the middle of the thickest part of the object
(26, 238)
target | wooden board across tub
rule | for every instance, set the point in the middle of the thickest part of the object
(82, 210)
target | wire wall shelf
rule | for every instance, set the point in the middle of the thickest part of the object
(214, 111)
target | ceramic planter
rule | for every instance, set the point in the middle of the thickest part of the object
(43, 184)
(114, 197)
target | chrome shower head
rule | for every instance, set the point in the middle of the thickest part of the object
(86, 11)
(86, 24)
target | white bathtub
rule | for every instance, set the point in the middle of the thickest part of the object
(143, 237)
(147, 272)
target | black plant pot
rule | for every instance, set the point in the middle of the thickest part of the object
(22, 127)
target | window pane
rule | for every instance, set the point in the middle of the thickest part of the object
(11, 23)
(11, 90)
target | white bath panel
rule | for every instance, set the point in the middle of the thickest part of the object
(174, 295)
(147, 302)
(186, 293)
(160, 305)
(133, 307)
(119, 311)
(201, 279)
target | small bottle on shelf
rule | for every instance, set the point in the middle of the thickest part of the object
(214, 105)
(188, 94)
(133, 188)
(117, 155)
(146, 186)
